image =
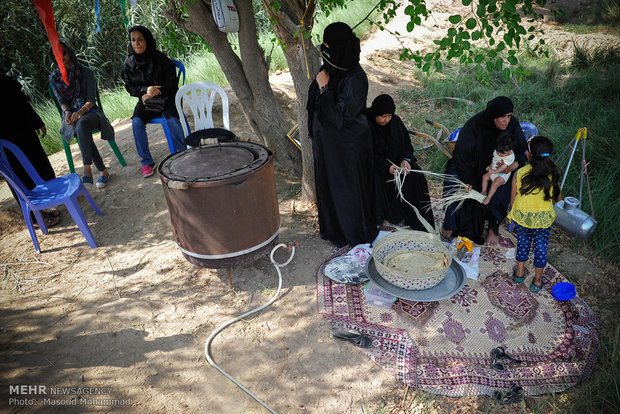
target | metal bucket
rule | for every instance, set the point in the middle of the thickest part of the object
(222, 202)
(572, 220)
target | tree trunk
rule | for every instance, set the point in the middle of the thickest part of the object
(304, 61)
(247, 76)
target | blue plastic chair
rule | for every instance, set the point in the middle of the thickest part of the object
(161, 120)
(529, 130)
(46, 194)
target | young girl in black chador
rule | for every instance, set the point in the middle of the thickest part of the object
(535, 189)
(393, 151)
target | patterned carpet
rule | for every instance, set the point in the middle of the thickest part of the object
(444, 347)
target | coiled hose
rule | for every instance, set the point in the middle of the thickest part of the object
(238, 318)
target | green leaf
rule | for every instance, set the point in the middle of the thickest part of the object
(506, 73)
(508, 39)
(410, 26)
(513, 60)
(455, 18)
(479, 58)
(466, 2)
(438, 65)
(476, 35)
(509, 6)
(489, 66)
(428, 57)
(426, 67)
(470, 23)
(452, 32)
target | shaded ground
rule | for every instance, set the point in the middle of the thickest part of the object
(133, 314)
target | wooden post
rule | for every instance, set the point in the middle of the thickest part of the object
(228, 269)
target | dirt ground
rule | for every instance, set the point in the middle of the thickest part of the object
(130, 318)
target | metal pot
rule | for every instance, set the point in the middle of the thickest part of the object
(572, 220)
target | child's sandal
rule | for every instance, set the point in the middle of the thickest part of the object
(516, 278)
(535, 288)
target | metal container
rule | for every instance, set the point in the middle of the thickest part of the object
(222, 202)
(572, 220)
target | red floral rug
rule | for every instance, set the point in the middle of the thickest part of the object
(444, 347)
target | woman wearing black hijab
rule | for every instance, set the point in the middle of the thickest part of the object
(341, 141)
(472, 154)
(393, 150)
(148, 73)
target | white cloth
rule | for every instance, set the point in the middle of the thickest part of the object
(508, 159)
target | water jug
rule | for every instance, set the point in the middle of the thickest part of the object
(572, 220)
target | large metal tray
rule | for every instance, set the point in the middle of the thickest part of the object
(450, 286)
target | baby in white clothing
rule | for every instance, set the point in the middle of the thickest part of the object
(502, 158)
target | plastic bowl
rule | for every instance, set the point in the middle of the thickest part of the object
(563, 291)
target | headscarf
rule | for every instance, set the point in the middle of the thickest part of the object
(343, 48)
(139, 66)
(151, 44)
(499, 106)
(69, 94)
(382, 104)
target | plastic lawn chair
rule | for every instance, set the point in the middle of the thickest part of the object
(65, 144)
(529, 130)
(161, 120)
(46, 194)
(200, 97)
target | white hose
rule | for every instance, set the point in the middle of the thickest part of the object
(238, 318)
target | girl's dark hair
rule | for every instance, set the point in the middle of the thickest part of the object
(503, 142)
(544, 174)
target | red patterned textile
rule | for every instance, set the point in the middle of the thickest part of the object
(444, 347)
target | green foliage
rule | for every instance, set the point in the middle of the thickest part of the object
(498, 28)
(25, 47)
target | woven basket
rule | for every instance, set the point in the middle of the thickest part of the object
(410, 240)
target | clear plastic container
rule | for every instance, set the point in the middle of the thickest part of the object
(377, 297)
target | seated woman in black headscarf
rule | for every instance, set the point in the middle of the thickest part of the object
(341, 141)
(472, 154)
(393, 150)
(80, 114)
(148, 73)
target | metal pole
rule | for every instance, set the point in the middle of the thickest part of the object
(574, 143)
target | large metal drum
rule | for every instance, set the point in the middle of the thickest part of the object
(222, 202)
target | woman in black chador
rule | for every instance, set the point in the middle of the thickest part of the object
(341, 141)
(472, 154)
(393, 150)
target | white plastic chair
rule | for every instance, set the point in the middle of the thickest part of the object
(200, 97)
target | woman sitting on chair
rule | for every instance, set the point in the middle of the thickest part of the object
(150, 76)
(80, 115)
(393, 151)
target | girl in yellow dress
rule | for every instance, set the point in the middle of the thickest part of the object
(535, 189)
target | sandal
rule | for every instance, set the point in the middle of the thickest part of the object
(50, 221)
(514, 395)
(535, 288)
(516, 278)
(352, 336)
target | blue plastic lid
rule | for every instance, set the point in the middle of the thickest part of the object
(563, 291)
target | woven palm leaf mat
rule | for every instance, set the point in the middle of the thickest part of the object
(444, 347)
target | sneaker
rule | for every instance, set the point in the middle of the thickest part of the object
(102, 181)
(87, 180)
(147, 170)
